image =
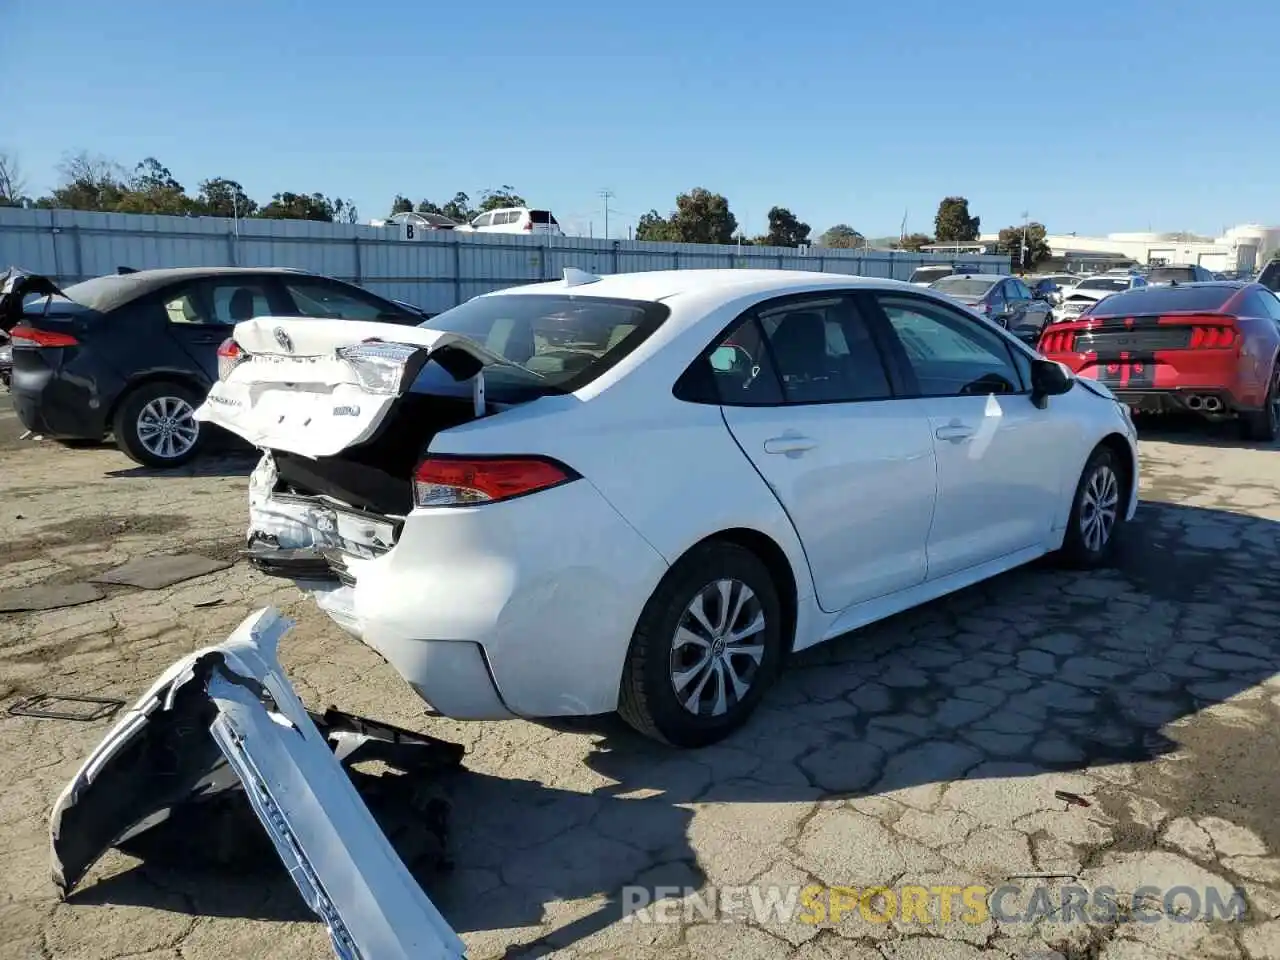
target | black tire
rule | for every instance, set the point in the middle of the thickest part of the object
(1263, 426)
(647, 698)
(126, 424)
(1079, 551)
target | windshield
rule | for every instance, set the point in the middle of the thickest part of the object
(965, 286)
(1112, 284)
(929, 274)
(556, 344)
(1157, 300)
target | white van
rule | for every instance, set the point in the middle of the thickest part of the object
(515, 220)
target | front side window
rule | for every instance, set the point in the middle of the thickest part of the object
(950, 354)
(317, 299)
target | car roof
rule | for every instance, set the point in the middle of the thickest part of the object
(115, 290)
(665, 284)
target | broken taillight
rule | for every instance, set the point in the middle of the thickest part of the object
(230, 356)
(22, 336)
(448, 481)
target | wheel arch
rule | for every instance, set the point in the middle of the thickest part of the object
(183, 377)
(1119, 445)
(771, 554)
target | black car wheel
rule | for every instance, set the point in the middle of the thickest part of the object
(155, 426)
(706, 648)
(1263, 426)
(1097, 513)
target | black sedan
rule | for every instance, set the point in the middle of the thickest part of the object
(134, 354)
(1006, 300)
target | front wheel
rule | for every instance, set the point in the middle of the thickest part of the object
(706, 648)
(1097, 513)
(156, 427)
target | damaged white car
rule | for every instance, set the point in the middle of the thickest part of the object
(225, 718)
(641, 492)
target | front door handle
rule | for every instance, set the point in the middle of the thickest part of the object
(789, 444)
(955, 432)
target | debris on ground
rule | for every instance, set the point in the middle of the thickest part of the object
(25, 599)
(156, 573)
(48, 706)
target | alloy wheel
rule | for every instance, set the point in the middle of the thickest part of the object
(167, 427)
(1099, 507)
(717, 648)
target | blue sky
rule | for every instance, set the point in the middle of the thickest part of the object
(1092, 116)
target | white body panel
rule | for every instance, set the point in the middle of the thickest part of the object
(527, 607)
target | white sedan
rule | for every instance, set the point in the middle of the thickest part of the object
(640, 492)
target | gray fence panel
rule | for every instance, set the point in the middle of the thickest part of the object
(435, 271)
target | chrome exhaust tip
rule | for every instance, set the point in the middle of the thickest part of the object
(1194, 402)
(1212, 405)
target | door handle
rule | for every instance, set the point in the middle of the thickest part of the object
(955, 432)
(789, 444)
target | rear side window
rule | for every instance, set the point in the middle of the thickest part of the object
(542, 217)
(1150, 301)
(556, 344)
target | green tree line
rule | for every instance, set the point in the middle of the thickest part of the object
(90, 182)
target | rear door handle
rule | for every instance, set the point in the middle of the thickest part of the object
(954, 432)
(789, 444)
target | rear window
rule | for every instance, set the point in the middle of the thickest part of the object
(100, 293)
(1155, 300)
(1113, 284)
(556, 344)
(964, 286)
(542, 216)
(930, 274)
(1165, 274)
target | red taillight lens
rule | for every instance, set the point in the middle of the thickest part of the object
(21, 336)
(230, 356)
(1058, 341)
(1212, 338)
(528, 225)
(462, 481)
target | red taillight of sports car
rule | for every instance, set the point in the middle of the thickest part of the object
(1058, 341)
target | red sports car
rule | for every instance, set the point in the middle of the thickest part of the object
(1211, 348)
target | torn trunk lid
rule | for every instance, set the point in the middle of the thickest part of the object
(16, 285)
(226, 717)
(316, 387)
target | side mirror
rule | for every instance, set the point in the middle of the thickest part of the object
(1048, 379)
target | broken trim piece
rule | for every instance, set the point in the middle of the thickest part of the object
(103, 708)
(342, 863)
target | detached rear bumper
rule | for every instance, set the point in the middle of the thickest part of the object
(227, 713)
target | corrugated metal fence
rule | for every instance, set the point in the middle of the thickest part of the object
(436, 270)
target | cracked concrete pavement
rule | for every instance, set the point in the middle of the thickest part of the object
(924, 750)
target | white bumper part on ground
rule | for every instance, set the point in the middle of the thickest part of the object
(343, 865)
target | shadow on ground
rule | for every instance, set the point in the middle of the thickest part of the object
(1189, 430)
(1038, 670)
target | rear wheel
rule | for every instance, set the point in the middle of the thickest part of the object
(1263, 426)
(706, 648)
(155, 425)
(1097, 513)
